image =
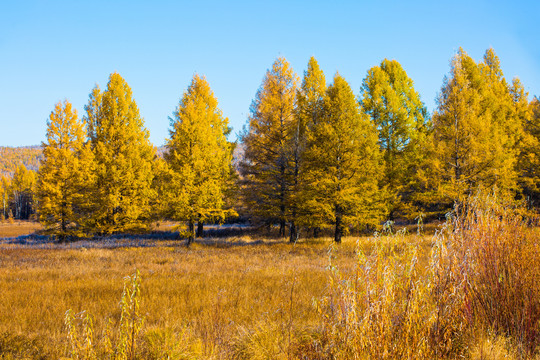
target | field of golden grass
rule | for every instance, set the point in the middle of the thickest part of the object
(469, 291)
(209, 300)
(18, 228)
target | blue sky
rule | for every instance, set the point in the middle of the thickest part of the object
(52, 50)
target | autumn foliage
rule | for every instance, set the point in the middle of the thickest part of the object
(312, 159)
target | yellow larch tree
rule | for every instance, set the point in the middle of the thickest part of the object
(309, 111)
(476, 127)
(343, 163)
(65, 176)
(198, 159)
(501, 104)
(529, 156)
(4, 191)
(389, 98)
(124, 159)
(22, 191)
(267, 169)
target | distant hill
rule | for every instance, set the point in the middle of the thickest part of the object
(12, 157)
(30, 156)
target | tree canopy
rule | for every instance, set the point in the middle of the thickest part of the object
(123, 156)
(389, 98)
(65, 174)
(198, 158)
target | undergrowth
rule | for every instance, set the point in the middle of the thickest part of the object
(478, 298)
(469, 292)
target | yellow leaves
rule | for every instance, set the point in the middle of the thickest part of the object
(62, 176)
(198, 157)
(476, 127)
(123, 156)
(268, 164)
(342, 157)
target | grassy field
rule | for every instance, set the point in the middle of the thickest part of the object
(17, 228)
(388, 297)
(206, 301)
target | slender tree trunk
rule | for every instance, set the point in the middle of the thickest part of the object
(293, 232)
(316, 232)
(282, 207)
(200, 229)
(191, 230)
(339, 227)
(282, 226)
(63, 225)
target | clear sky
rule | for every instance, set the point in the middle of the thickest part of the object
(52, 50)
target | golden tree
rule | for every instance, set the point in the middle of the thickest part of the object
(389, 98)
(501, 104)
(198, 159)
(22, 190)
(529, 156)
(65, 175)
(267, 168)
(5, 184)
(343, 162)
(476, 127)
(309, 111)
(123, 156)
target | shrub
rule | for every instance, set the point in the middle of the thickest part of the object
(482, 279)
(502, 270)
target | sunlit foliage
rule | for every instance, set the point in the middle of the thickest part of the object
(476, 128)
(123, 155)
(267, 168)
(389, 98)
(198, 158)
(343, 162)
(66, 174)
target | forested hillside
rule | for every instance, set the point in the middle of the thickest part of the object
(12, 157)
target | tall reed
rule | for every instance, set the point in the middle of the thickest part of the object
(482, 282)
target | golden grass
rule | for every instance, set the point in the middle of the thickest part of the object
(387, 297)
(18, 228)
(219, 298)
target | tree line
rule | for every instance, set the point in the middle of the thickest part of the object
(314, 156)
(12, 158)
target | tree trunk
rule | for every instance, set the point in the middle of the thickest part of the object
(63, 225)
(282, 228)
(200, 229)
(316, 232)
(339, 227)
(293, 233)
(191, 230)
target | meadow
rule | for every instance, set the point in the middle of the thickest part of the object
(468, 291)
(206, 301)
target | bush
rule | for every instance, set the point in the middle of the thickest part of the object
(502, 271)
(482, 280)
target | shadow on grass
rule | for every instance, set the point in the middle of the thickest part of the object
(214, 237)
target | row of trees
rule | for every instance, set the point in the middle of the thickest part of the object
(101, 174)
(313, 155)
(316, 155)
(11, 158)
(17, 194)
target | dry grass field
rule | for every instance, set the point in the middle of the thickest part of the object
(18, 227)
(206, 301)
(400, 296)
